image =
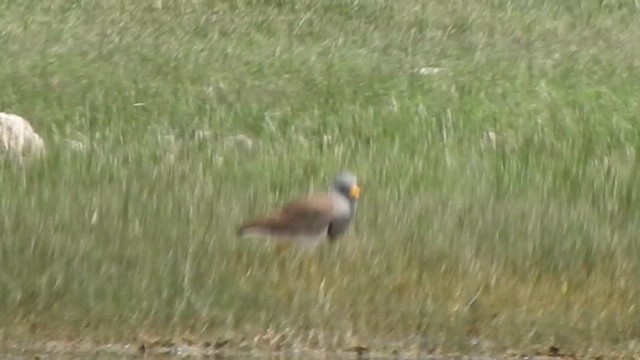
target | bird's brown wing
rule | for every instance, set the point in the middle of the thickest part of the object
(309, 216)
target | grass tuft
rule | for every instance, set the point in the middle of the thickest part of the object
(501, 199)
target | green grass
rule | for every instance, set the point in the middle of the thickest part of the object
(501, 195)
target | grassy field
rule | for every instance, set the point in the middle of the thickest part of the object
(501, 203)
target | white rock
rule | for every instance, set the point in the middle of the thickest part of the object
(76, 145)
(242, 141)
(18, 137)
(429, 70)
(202, 135)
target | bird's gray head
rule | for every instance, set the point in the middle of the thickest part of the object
(346, 184)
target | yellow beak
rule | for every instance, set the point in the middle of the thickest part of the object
(354, 192)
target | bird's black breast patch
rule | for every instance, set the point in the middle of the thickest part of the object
(337, 228)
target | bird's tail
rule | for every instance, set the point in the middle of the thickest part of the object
(251, 229)
(262, 227)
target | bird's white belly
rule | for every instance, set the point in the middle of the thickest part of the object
(309, 242)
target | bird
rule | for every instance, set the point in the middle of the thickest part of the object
(307, 222)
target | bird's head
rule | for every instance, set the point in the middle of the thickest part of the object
(346, 184)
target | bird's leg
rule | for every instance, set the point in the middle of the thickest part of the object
(280, 249)
(284, 285)
(309, 260)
